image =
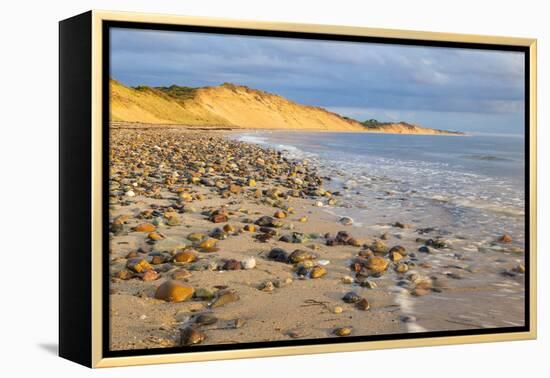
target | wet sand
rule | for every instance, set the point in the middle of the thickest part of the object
(174, 181)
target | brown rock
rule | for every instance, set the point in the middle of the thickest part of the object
(342, 331)
(208, 243)
(235, 189)
(196, 236)
(280, 214)
(399, 249)
(138, 265)
(395, 256)
(232, 264)
(228, 228)
(155, 236)
(124, 274)
(157, 259)
(150, 275)
(174, 291)
(505, 238)
(219, 216)
(363, 304)
(191, 336)
(186, 196)
(249, 228)
(377, 264)
(145, 227)
(401, 268)
(225, 298)
(185, 257)
(318, 272)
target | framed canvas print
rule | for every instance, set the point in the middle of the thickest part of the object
(235, 189)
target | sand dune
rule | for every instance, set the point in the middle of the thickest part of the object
(234, 106)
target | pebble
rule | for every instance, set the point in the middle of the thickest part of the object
(208, 243)
(225, 298)
(379, 247)
(505, 239)
(196, 236)
(185, 257)
(229, 228)
(337, 309)
(219, 216)
(399, 249)
(377, 264)
(267, 286)
(249, 228)
(280, 214)
(138, 265)
(401, 268)
(351, 297)
(150, 275)
(318, 272)
(342, 331)
(145, 227)
(278, 254)
(346, 221)
(191, 336)
(425, 249)
(155, 236)
(125, 274)
(395, 256)
(408, 319)
(203, 294)
(248, 263)
(369, 284)
(174, 291)
(520, 268)
(300, 255)
(130, 193)
(348, 280)
(217, 234)
(237, 323)
(232, 264)
(363, 304)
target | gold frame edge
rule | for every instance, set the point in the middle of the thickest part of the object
(98, 16)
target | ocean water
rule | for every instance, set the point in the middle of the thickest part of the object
(472, 185)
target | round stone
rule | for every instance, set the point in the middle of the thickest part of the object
(318, 272)
(145, 227)
(342, 331)
(185, 257)
(377, 264)
(174, 291)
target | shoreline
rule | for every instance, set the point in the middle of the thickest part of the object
(115, 125)
(406, 290)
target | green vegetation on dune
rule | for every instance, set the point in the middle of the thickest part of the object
(178, 92)
(375, 124)
(174, 91)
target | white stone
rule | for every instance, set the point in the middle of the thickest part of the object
(248, 263)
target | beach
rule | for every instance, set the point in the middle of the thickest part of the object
(218, 239)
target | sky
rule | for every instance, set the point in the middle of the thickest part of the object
(477, 91)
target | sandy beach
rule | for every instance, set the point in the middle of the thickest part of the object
(217, 241)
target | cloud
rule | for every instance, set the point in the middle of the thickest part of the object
(326, 73)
